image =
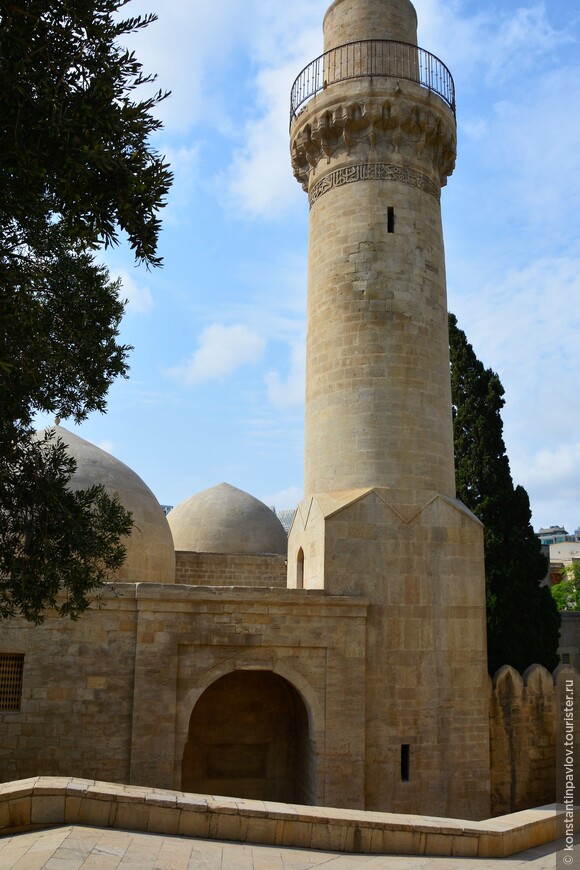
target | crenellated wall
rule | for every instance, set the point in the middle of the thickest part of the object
(525, 730)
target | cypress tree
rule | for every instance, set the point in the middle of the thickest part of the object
(523, 622)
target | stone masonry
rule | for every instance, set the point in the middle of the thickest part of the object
(373, 148)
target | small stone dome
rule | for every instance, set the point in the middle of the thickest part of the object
(224, 519)
(150, 552)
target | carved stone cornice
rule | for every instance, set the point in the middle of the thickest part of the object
(372, 131)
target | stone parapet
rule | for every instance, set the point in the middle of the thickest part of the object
(45, 801)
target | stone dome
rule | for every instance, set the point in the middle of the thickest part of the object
(150, 552)
(224, 519)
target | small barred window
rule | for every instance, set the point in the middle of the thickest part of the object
(11, 666)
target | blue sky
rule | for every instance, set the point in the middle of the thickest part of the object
(216, 385)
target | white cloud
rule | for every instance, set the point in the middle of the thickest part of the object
(494, 44)
(475, 129)
(524, 324)
(525, 315)
(284, 499)
(523, 37)
(543, 186)
(184, 162)
(259, 182)
(445, 30)
(189, 47)
(138, 296)
(557, 466)
(288, 392)
(221, 351)
(552, 478)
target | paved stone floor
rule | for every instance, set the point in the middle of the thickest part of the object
(72, 847)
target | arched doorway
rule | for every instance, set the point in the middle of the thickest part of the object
(249, 737)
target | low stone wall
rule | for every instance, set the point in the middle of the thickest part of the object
(45, 801)
(225, 569)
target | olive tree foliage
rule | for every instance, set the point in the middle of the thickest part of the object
(77, 172)
(523, 623)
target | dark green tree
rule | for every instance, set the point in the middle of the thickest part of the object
(522, 620)
(77, 171)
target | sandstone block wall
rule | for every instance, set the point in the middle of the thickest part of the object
(219, 569)
(77, 694)
(526, 736)
(189, 638)
(420, 565)
(113, 694)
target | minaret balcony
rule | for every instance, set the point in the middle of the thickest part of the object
(372, 58)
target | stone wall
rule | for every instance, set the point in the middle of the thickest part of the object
(77, 694)
(112, 695)
(526, 736)
(221, 569)
(420, 565)
(191, 637)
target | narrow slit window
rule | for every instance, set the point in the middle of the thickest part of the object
(11, 666)
(405, 762)
(390, 219)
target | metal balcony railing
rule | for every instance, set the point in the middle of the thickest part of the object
(372, 58)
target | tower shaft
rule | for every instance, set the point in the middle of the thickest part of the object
(373, 149)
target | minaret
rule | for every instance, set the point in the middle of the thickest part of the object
(373, 141)
(373, 150)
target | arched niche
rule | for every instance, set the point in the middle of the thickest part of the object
(249, 737)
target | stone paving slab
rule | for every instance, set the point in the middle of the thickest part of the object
(73, 847)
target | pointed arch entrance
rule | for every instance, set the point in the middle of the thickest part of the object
(249, 737)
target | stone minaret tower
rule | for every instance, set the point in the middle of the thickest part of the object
(373, 139)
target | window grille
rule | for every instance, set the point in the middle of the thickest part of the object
(11, 666)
